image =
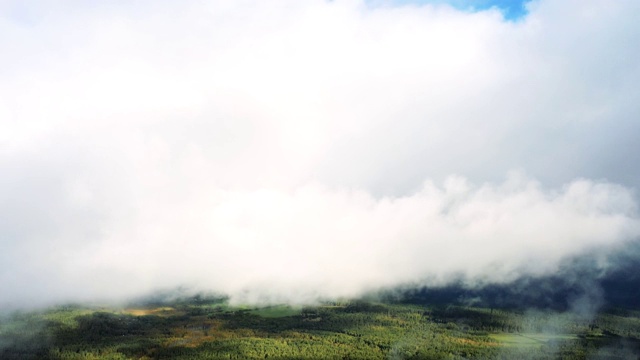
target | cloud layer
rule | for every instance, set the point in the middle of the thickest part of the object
(296, 149)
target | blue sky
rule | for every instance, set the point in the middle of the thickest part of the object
(512, 9)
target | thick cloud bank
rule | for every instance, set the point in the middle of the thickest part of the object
(290, 150)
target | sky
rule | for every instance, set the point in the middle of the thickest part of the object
(289, 151)
(511, 10)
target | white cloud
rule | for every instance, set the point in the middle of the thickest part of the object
(293, 145)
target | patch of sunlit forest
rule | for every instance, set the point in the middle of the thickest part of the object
(210, 328)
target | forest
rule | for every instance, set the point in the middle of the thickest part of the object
(201, 327)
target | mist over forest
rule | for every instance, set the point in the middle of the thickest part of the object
(320, 179)
(297, 151)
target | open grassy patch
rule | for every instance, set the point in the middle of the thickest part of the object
(529, 339)
(158, 311)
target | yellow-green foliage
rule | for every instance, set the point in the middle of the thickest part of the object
(356, 330)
